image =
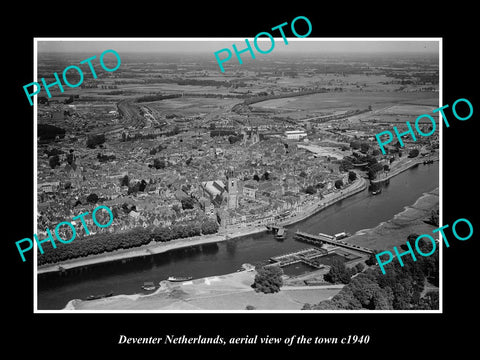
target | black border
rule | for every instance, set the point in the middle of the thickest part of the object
(95, 334)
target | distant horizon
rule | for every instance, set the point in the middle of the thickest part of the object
(171, 46)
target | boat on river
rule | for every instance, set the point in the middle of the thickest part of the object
(101, 296)
(280, 234)
(179, 279)
(148, 285)
(342, 235)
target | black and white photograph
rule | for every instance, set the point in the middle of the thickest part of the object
(259, 188)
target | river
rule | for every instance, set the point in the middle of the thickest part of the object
(360, 211)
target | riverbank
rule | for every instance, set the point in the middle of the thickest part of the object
(394, 171)
(156, 248)
(147, 250)
(216, 293)
(359, 185)
(395, 231)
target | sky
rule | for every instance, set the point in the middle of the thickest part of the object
(210, 45)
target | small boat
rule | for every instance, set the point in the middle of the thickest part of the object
(377, 191)
(179, 279)
(101, 296)
(280, 234)
(426, 162)
(148, 285)
(342, 235)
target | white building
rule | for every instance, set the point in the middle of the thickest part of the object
(295, 134)
(249, 191)
(48, 187)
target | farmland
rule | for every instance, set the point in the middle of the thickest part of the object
(193, 105)
(363, 89)
(385, 107)
(348, 100)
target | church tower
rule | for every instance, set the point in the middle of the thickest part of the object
(232, 189)
(255, 136)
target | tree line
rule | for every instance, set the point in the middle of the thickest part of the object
(401, 288)
(48, 132)
(156, 97)
(106, 242)
(262, 97)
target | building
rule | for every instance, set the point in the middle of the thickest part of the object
(48, 187)
(252, 138)
(208, 207)
(249, 191)
(212, 189)
(295, 134)
(232, 190)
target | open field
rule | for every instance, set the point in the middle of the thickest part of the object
(348, 81)
(350, 100)
(389, 107)
(409, 109)
(192, 105)
(173, 88)
(399, 114)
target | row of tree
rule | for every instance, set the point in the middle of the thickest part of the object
(107, 242)
(157, 97)
(262, 96)
(180, 231)
(223, 132)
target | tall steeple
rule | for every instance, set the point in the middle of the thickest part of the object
(232, 189)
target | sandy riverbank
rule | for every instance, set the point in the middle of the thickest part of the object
(394, 232)
(225, 292)
(157, 248)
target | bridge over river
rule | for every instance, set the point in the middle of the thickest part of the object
(326, 239)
